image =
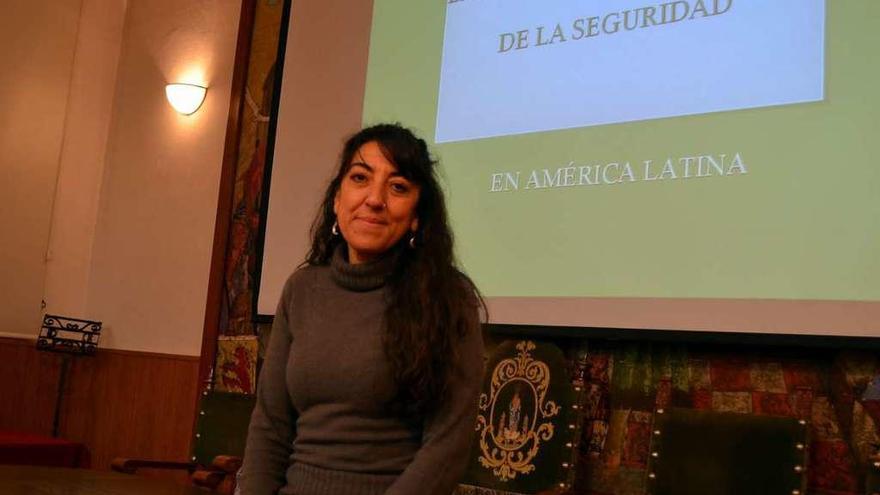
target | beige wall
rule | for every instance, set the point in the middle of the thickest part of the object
(100, 172)
(152, 245)
(92, 87)
(38, 40)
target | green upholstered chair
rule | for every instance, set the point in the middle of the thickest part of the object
(699, 452)
(218, 445)
(526, 423)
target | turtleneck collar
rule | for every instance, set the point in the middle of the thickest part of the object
(362, 276)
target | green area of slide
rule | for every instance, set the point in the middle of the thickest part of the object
(802, 223)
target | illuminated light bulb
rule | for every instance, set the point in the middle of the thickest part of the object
(185, 98)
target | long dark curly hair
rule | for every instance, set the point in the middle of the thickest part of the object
(431, 303)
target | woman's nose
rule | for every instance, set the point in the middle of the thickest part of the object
(376, 197)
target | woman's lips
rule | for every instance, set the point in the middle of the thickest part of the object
(371, 221)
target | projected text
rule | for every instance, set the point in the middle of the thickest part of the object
(523, 66)
(612, 23)
(573, 175)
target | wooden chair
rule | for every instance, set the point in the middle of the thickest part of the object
(697, 452)
(526, 424)
(221, 431)
(872, 485)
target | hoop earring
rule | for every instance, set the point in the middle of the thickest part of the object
(412, 241)
(335, 228)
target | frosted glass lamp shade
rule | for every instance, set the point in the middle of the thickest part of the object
(185, 98)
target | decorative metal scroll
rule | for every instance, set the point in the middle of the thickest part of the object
(514, 418)
(69, 335)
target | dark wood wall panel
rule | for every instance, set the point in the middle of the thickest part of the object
(28, 383)
(118, 403)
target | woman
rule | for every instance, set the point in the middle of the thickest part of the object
(374, 363)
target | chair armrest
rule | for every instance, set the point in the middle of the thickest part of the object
(220, 477)
(130, 466)
(227, 463)
(208, 478)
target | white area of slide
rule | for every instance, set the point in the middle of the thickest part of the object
(519, 66)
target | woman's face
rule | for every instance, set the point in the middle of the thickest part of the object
(375, 206)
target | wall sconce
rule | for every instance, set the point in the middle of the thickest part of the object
(185, 98)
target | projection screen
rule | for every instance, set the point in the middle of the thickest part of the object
(688, 165)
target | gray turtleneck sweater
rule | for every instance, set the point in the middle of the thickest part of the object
(322, 425)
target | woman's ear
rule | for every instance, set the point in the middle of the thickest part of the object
(414, 226)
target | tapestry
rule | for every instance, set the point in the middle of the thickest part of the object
(626, 383)
(236, 368)
(237, 311)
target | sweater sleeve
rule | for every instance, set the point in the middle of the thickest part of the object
(447, 433)
(273, 421)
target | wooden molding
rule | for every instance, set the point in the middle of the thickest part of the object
(227, 188)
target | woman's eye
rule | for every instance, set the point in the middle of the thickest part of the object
(357, 177)
(399, 187)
